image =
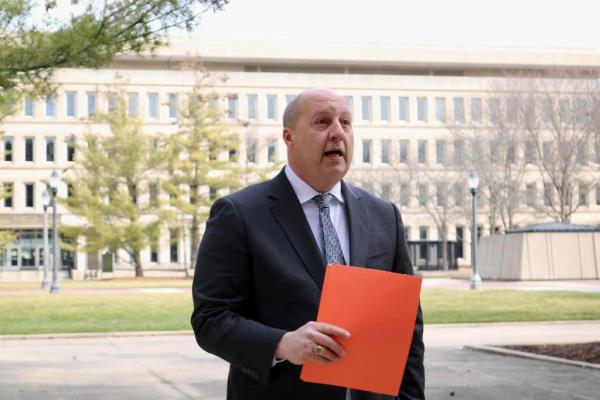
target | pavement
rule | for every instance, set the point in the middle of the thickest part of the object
(169, 365)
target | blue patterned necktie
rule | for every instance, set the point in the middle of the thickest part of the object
(329, 237)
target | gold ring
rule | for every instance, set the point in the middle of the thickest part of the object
(318, 349)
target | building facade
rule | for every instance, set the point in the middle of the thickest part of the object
(402, 98)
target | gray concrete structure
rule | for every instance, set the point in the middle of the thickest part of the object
(547, 251)
(171, 366)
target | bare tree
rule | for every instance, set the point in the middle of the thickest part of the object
(489, 144)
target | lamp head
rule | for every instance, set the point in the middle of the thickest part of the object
(54, 181)
(46, 198)
(473, 180)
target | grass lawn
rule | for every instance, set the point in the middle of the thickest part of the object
(122, 310)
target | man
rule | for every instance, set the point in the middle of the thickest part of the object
(261, 262)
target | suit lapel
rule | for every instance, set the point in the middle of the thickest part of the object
(358, 220)
(290, 216)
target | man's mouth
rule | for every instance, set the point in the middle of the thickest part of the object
(334, 153)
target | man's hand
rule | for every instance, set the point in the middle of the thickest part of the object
(297, 346)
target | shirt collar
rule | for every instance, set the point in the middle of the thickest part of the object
(304, 191)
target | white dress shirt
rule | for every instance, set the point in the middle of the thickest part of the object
(337, 212)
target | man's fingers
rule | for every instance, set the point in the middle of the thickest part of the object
(331, 330)
(330, 344)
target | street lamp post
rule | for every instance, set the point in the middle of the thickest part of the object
(54, 181)
(475, 282)
(46, 203)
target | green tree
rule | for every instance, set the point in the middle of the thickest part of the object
(93, 35)
(202, 162)
(110, 179)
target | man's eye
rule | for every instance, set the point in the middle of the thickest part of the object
(322, 121)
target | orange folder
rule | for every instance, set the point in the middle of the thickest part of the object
(379, 310)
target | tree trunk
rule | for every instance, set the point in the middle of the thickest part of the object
(445, 247)
(195, 239)
(137, 261)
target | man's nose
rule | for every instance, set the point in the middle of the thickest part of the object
(336, 132)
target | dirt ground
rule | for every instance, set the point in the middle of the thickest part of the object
(588, 352)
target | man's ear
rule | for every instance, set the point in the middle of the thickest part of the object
(287, 135)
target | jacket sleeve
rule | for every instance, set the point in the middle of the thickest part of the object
(222, 294)
(413, 382)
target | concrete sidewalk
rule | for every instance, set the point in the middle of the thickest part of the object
(173, 367)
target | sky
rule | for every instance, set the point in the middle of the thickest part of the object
(513, 23)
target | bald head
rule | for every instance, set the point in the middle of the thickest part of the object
(292, 110)
(317, 130)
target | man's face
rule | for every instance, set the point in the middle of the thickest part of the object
(321, 143)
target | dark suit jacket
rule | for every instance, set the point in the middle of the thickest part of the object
(259, 273)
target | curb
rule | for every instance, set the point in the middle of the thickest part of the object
(532, 356)
(93, 335)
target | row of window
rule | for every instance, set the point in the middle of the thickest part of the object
(91, 104)
(444, 195)
(28, 153)
(389, 108)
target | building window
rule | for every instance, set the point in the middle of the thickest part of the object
(366, 108)
(440, 109)
(28, 108)
(153, 194)
(582, 153)
(212, 193)
(494, 104)
(440, 151)
(349, 103)
(252, 106)
(583, 195)
(174, 245)
(459, 194)
(133, 104)
(512, 110)
(71, 150)
(272, 150)
(441, 194)
(232, 106)
(476, 110)
(598, 195)
(366, 149)
(50, 149)
(50, 106)
(529, 153)
(153, 105)
(531, 195)
(422, 151)
(547, 151)
(71, 104)
(7, 194)
(403, 109)
(385, 150)
(384, 108)
(386, 189)
(91, 103)
(251, 150)
(423, 234)
(29, 149)
(404, 195)
(460, 241)
(8, 149)
(459, 110)
(154, 252)
(69, 190)
(459, 151)
(422, 109)
(423, 195)
(113, 102)
(272, 106)
(548, 194)
(29, 195)
(289, 98)
(173, 104)
(403, 156)
(563, 111)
